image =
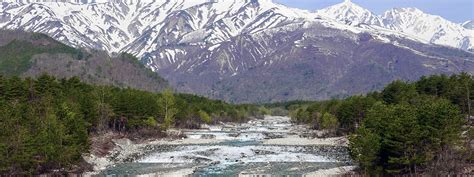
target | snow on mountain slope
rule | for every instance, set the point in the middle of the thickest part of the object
(108, 26)
(433, 29)
(141, 27)
(410, 22)
(351, 14)
(468, 24)
(212, 23)
(228, 47)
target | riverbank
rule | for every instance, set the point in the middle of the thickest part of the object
(111, 148)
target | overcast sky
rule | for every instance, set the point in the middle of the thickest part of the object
(454, 10)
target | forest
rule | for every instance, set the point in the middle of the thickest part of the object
(421, 127)
(408, 128)
(46, 123)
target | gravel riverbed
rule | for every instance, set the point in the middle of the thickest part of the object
(269, 146)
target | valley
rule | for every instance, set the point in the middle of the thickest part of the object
(246, 88)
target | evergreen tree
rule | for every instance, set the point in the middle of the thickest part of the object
(353, 110)
(365, 147)
(403, 140)
(75, 135)
(399, 92)
(15, 89)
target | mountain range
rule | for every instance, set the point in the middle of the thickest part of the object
(258, 50)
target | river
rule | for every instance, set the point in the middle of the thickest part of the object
(272, 146)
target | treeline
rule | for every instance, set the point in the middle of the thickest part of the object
(46, 123)
(421, 127)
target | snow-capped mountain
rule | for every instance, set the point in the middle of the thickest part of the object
(213, 23)
(108, 26)
(140, 27)
(223, 48)
(351, 14)
(409, 22)
(430, 28)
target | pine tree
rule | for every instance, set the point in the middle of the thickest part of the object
(399, 92)
(15, 89)
(365, 148)
(75, 135)
(403, 140)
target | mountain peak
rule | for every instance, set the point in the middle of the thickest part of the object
(349, 3)
(349, 12)
(429, 28)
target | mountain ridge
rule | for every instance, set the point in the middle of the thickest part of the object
(254, 50)
(129, 21)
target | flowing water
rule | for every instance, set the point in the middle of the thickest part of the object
(238, 150)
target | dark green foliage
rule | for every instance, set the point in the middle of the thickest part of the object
(353, 110)
(42, 128)
(45, 123)
(365, 148)
(407, 128)
(399, 92)
(456, 88)
(412, 135)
